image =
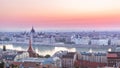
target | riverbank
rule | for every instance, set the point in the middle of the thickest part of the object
(113, 47)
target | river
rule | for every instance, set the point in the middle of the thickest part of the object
(44, 49)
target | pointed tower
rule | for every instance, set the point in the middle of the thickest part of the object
(30, 50)
(32, 30)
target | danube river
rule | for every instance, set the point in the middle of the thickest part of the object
(44, 49)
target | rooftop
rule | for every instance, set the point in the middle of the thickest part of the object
(32, 60)
(69, 55)
(113, 55)
(95, 54)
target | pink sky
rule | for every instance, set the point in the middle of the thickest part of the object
(60, 14)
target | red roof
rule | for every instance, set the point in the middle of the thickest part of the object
(112, 55)
(17, 63)
(90, 64)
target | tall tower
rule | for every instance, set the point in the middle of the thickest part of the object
(30, 50)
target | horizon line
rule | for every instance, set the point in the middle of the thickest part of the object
(58, 30)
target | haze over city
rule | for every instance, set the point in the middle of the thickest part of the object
(59, 33)
(59, 14)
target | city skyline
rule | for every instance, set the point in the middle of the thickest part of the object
(59, 15)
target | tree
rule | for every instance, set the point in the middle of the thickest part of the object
(4, 48)
(14, 66)
(2, 64)
(47, 56)
(40, 56)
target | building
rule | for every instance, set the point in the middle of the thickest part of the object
(91, 60)
(69, 59)
(44, 40)
(115, 41)
(94, 57)
(30, 50)
(60, 54)
(15, 56)
(113, 59)
(97, 41)
(80, 40)
(27, 64)
(53, 62)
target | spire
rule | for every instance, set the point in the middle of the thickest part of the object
(30, 49)
(32, 30)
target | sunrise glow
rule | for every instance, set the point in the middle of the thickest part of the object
(60, 14)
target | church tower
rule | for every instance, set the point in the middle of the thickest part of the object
(30, 50)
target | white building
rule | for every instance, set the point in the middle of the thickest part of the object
(44, 40)
(82, 41)
(99, 41)
(115, 41)
(94, 57)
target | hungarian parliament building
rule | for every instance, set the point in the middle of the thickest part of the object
(61, 38)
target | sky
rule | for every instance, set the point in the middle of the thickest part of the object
(59, 14)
